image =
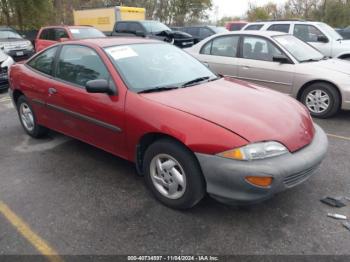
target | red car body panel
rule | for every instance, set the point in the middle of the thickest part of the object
(41, 44)
(209, 118)
(245, 109)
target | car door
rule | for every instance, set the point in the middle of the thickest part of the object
(220, 54)
(46, 39)
(256, 64)
(312, 35)
(95, 118)
(37, 80)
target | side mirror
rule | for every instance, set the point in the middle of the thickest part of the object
(24, 36)
(322, 39)
(140, 33)
(281, 59)
(100, 86)
(63, 39)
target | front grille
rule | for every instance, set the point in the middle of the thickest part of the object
(15, 46)
(299, 177)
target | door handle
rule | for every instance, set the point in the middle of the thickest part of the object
(246, 67)
(52, 91)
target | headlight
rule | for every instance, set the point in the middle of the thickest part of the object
(256, 151)
(29, 45)
(8, 62)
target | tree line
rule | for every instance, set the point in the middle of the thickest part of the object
(32, 14)
(333, 12)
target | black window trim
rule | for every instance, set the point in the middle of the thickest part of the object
(56, 58)
(265, 38)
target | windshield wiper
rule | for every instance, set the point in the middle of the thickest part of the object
(196, 80)
(157, 89)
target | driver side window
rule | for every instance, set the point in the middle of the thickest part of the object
(307, 33)
(80, 64)
(258, 48)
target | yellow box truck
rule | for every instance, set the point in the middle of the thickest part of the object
(105, 18)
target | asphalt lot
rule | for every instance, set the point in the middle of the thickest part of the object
(81, 200)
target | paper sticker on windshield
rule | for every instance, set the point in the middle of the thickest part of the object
(120, 52)
(75, 31)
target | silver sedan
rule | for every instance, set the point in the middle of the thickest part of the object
(282, 62)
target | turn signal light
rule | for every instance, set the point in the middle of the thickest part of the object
(262, 181)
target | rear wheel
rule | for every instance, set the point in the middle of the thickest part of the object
(173, 174)
(321, 99)
(28, 119)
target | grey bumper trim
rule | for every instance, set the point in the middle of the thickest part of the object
(225, 178)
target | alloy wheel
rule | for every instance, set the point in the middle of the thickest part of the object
(168, 176)
(27, 117)
(317, 101)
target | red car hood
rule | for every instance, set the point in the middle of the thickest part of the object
(254, 113)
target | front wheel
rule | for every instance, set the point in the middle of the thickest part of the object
(173, 174)
(28, 119)
(321, 99)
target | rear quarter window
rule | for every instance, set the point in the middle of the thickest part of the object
(254, 27)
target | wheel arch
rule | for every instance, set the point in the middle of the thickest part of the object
(343, 55)
(16, 94)
(306, 85)
(148, 139)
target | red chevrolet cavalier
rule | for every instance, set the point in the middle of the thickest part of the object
(187, 130)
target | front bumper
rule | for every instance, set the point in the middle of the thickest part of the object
(22, 54)
(225, 178)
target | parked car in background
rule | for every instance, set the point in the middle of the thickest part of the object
(14, 44)
(5, 62)
(319, 35)
(344, 32)
(153, 29)
(201, 32)
(281, 62)
(187, 130)
(235, 25)
(51, 35)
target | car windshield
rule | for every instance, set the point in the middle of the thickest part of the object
(9, 34)
(158, 65)
(155, 27)
(219, 29)
(81, 33)
(330, 31)
(299, 49)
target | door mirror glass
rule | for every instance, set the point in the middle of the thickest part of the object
(322, 39)
(281, 59)
(99, 86)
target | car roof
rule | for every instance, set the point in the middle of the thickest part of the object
(284, 22)
(112, 41)
(67, 26)
(254, 32)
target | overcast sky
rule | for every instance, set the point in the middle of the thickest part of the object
(238, 7)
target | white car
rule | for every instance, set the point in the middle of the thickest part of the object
(318, 34)
(281, 62)
(5, 62)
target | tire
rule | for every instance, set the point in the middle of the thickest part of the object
(30, 126)
(186, 169)
(324, 93)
